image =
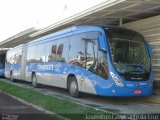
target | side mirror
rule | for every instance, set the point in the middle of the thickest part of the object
(149, 50)
(102, 43)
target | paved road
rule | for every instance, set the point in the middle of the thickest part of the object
(130, 105)
(12, 109)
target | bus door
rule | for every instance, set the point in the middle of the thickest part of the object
(61, 60)
(24, 60)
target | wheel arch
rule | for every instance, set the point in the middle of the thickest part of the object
(33, 73)
(11, 73)
(68, 79)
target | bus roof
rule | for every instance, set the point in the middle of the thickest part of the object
(72, 29)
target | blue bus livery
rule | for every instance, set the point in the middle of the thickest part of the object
(110, 61)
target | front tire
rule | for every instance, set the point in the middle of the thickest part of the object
(34, 81)
(73, 87)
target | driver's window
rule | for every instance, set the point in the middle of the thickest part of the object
(91, 55)
(96, 60)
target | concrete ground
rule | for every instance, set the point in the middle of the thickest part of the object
(11, 109)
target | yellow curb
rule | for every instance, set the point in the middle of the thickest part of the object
(152, 101)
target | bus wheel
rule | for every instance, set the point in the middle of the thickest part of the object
(11, 77)
(34, 80)
(73, 87)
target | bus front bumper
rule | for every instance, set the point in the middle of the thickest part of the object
(124, 91)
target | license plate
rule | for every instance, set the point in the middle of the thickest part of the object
(137, 91)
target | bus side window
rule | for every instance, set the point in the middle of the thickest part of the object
(59, 53)
(96, 60)
(77, 54)
(31, 57)
(54, 48)
(52, 56)
(50, 51)
(63, 49)
(17, 56)
(40, 52)
(8, 57)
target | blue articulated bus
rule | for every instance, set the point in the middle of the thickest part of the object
(111, 61)
(2, 63)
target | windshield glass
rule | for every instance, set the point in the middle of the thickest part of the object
(129, 54)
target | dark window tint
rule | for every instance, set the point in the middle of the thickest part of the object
(54, 49)
(2, 59)
(60, 49)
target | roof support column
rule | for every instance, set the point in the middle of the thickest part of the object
(120, 21)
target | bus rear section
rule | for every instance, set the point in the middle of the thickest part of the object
(2, 63)
(13, 63)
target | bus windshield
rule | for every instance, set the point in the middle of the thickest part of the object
(129, 54)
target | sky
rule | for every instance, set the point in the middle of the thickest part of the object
(19, 15)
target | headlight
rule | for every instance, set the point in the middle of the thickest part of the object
(116, 80)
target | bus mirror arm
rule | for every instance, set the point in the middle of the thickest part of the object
(102, 44)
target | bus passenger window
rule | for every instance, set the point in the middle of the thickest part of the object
(17, 56)
(54, 48)
(52, 56)
(32, 56)
(59, 53)
(77, 54)
(60, 49)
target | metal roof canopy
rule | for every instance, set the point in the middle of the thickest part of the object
(110, 12)
(17, 39)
